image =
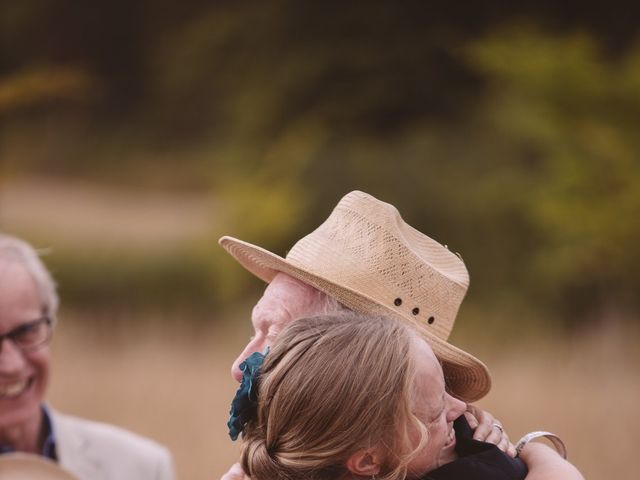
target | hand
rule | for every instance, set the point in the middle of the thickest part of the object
(485, 429)
(234, 473)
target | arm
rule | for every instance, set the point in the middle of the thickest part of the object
(545, 464)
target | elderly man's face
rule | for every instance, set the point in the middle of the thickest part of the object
(284, 299)
(23, 375)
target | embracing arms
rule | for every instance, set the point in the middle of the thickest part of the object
(543, 462)
(481, 421)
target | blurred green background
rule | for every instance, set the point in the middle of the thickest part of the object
(509, 133)
(135, 133)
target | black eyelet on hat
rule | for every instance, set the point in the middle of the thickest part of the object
(397, 302)
(431, 320)
(415, 311)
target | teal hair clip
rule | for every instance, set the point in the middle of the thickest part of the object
(245, 402)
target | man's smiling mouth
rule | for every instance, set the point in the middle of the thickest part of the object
(14, 389)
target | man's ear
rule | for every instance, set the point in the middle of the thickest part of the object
(366, 463)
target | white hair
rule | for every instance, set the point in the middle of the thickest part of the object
(14, 249)
(332, 306)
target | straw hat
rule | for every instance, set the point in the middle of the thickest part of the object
(25, 466)
(367, 257)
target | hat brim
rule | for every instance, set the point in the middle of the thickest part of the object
(466, 376)
(24, 466)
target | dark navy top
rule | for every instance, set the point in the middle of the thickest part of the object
(477, 460)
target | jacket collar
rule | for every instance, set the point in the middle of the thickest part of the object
(75, 451)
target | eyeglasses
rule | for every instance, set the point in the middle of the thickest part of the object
(30, 336)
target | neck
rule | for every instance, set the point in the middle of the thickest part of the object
(25, 436)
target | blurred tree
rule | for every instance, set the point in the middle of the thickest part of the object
(514, 145)
(38, 88)
(577, 115)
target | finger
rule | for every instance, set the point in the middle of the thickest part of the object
(471, 420)
(473, 410)
(494, 436)
(511, 451)
(485, 425)
(503, 444)
(483, 431)
(485, 417)
(482, 416)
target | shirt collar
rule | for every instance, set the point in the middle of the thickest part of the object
(49, 443)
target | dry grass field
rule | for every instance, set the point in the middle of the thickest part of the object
(173, 385)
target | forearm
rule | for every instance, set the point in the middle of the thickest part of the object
(545, 464)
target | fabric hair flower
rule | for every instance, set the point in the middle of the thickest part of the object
(245, 402)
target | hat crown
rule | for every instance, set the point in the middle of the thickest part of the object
(366, 246)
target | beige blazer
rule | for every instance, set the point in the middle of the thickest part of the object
(98, 451)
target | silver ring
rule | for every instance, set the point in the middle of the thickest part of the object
(499, 427)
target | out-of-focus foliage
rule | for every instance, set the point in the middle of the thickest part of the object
(513, 141)
(573, 120)
(24, 89)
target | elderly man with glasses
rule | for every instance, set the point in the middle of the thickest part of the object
(90, 450)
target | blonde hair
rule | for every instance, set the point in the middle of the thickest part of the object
(331, 386)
